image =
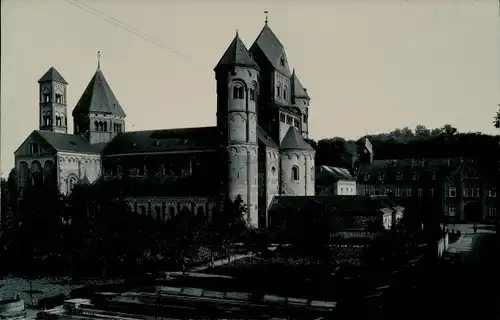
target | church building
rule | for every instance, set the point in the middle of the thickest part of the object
(256, 150)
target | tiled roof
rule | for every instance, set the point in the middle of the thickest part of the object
(293, 140)
(298, 90)
(406, 170)
(265, 138)
(98, 98)
(67, 142)
(329, 174)
(237, 55)
(52, 75)
(337, 205)
(272, 48)
(162, 186)
(201, 138)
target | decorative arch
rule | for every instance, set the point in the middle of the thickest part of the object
(200, 211)
(158, 213)
(72, 181)
(171, 212)
(23, 172)
(48, 169)
(295, 173)
(237, 89)
(96, 125)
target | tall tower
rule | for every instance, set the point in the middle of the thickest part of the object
(237, 77)
(53, 110)
(98, 115)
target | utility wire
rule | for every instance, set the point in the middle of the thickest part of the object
(129, 29)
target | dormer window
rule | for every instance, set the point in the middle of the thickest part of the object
(238, 92)
(381, 176)
(415, 176)
(366, 177)
(282, 60)
(399, 176)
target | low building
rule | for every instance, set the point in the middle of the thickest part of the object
(334, 181)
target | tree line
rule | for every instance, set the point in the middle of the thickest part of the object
(407, 143)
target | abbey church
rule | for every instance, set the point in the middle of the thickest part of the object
(256, 150)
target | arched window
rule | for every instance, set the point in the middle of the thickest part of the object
(295, 173)
(96, 126)
(238, 92)
(105, 127)
(142, 210)
(284, 92)
(200, 212)
(158, 213)
(252, 94)
(171, 212)
(101, 126)
(71, 183)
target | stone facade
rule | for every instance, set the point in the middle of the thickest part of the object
(256, 151)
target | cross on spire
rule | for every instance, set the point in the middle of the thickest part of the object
(266, 12)
(98, 59)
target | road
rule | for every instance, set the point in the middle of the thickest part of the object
(468, 246)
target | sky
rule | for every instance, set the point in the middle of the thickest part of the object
(369, 65)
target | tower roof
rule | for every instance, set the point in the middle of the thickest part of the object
(52, 75)
(237, 55)
(98, 98)
(294, 140)
(298, 90)
(272, 48)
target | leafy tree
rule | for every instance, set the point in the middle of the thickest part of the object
(421, 131)
(496, 121)
(334, 152)
(228, 225)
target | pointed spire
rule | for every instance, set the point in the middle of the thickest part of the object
(52, 75)
(98, 59)
(237, 55)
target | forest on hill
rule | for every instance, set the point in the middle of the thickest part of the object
(407, 143)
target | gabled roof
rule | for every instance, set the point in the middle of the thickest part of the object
(272, 48)
(293, 140)
(98, 98)
(52, 75)
(237, 55)
(333, 173)
(265, 139)
(63, 142)
(201, 138)
(298, 90)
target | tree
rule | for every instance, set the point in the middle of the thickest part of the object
(449, 130)
(9, 197)
(496, 121)
(421, 131)
(333, 152)
(228, 225)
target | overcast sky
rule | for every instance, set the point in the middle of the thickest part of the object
(369, 66)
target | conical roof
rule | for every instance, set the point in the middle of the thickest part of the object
(298, 89)
(237, 55)
(52, 75)
(293, 140)
(98, 98)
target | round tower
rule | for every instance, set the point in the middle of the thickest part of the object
(237, 78)
(297, 165)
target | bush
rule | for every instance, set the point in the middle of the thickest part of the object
(51, 302)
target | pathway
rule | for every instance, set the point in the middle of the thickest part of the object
(466, 245)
